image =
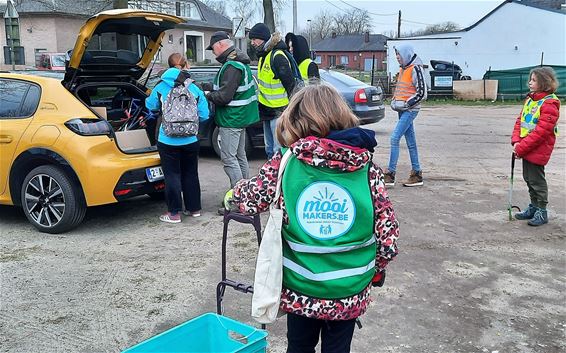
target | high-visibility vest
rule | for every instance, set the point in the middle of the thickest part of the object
(242, 110)
(405, 88)
(304, 69)
(271, 91)
(329, 243)
(531, 113)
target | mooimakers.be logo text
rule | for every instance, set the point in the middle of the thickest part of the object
(325, 210)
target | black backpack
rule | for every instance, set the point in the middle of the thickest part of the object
(299, 82)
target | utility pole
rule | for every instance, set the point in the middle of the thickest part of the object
(310, 35)
(399, 25)
(295, 16)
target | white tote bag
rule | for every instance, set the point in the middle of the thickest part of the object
(269, 267)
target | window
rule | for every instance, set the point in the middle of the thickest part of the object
(18, 99)
(318, 59)
(332, 60)
(344, 60)
(149, 5)
(187, 9)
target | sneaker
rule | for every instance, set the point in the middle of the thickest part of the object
(540, 218)
(221, 211)
(415, 179)
(169, 218)
(192, 214)
(389, 178)
(528, 213)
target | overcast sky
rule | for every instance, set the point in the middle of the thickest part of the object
(462, 12)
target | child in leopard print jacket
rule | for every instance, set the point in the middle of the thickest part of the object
(328, 149)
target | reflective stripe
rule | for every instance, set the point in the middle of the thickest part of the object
(327, 276)
(269, 85)
(240, 88)
(273, 96)
(239, 103)
(528, 126)
(327, 250)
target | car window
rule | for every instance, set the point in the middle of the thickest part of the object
(333, 76)
(203, 76)
(13, 99)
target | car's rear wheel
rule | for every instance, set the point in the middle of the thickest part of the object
(215, 142)
(51, 201)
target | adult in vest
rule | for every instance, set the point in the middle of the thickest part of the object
(339, 230)
(235, 99)
(179, 155)
(409, 92)
(299, 47)
(275, 83)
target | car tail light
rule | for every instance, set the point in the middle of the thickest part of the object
(122, 192)
(360, 96)
(89, 127)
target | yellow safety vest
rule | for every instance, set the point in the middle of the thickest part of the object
(304, 69)
(405, 88)
(531, 113)
(271, 91)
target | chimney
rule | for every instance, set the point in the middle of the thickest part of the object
(366, 37)
(333, 35)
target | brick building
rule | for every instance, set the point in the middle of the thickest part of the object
(53, 26)
(354, 51)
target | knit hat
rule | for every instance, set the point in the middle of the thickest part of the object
(260, 31)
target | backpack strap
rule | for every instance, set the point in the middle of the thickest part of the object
(292, 63)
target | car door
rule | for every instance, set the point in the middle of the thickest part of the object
(18, 102)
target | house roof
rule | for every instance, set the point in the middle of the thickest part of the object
(351, 43)
(66, 7)
(212, 19)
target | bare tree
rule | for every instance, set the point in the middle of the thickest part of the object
(433, 29)
(269, 15)
(354, 21)
(321, 25)
(217, 5)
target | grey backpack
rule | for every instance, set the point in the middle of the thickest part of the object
(179, 112)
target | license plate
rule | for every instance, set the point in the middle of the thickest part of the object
(154, 173)
(374, 98)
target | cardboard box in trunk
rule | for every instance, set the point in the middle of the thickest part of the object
(132, 139)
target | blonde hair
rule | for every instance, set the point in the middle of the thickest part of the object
(314, 111)
(546, 78)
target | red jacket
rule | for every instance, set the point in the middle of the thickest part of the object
(537, 146)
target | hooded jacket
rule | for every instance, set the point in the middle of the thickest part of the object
(301, 52)
(348, 150)
(408, 58)
(282, 70)
(158, 95)
(230, 79)
(537, 146)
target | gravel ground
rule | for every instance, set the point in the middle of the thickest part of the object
(466, 278)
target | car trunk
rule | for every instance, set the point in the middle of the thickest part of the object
(122, 104)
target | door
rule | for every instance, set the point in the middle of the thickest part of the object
(18, 103)
(368, 63)
(191, 53)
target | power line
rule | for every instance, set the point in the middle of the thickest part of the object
(419, 23)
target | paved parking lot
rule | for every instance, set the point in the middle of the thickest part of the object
(466, 279)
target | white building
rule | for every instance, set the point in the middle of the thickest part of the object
(517, 33)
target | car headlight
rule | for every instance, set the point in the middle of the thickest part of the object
(89, 127)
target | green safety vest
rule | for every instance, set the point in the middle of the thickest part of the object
(329, 244)
(304, 69)
(242, 110)
(271, 91)
(531, 113)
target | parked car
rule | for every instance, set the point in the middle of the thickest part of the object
(59, 154)
(365, 101)
(51, 61)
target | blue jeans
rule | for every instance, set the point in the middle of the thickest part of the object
(405, 128)
(269, 137)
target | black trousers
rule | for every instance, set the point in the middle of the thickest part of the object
(535, 178)
(303, 333)
(180, 166)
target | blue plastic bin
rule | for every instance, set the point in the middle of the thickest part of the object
(207, 333)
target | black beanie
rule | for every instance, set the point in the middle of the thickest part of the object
(260, 31)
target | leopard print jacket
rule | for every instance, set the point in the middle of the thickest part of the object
(256, 194)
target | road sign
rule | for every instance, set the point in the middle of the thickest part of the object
(238, 27)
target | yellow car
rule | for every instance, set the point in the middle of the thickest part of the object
(86, 140)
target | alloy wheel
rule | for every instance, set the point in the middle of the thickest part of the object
(45, 200)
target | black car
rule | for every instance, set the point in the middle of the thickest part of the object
(365, 101)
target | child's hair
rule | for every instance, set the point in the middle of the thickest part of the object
(315, 110)
(546, 78)
(176, 59)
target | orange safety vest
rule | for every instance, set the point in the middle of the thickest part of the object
(405, 88)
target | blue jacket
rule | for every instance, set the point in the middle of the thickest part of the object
(162, 90)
